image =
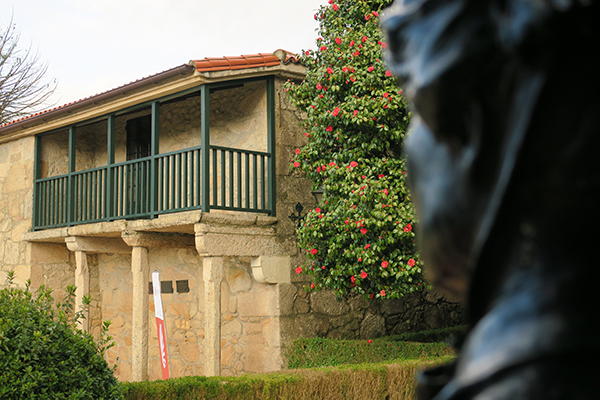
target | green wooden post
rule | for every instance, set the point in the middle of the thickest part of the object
(271, 144)
(70, 190)
(36, 175)
(205, 143)
(110, 151)
(154, 148)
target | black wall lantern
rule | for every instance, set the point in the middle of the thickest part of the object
(298, 216)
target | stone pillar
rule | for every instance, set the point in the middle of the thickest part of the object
(139, 323)
(82, 284)
(140, 242)
(213, 275)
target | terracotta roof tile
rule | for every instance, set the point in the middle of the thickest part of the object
(239, 62)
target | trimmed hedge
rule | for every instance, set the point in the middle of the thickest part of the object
(320, 352)
(361, 381)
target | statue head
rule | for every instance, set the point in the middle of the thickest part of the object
(485, 79)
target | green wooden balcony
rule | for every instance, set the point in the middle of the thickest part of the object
(202, 177)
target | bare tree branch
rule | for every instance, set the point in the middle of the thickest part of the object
(24, 87)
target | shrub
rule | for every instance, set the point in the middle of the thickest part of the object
(42, 354)
(360, 239)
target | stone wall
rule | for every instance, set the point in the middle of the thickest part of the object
(16, 188)
(321, 314)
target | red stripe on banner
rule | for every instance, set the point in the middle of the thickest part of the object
(162, 346)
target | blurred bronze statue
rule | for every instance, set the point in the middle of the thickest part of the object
(504, 163)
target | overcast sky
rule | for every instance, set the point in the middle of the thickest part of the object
(94, 45)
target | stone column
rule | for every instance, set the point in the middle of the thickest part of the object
(213, 275)
(139, 323)
(82, 284)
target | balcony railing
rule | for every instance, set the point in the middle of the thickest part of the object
(203, 177)
(236, 179)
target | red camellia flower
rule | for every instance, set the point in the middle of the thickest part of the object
(359, 259)
(408, 228)
(370, 341)
(353, 164)
(363, 274)
(332, 164)
(296, 164)
(385, 264)
(355, 112)
(335, 7)
(318, 86)
(364, 39)
(329, 70)
(318, 169)
(375, 13)
(371, 68)
(297, 151)
(347, 222)
(382, 293)
(363, 231)
(386, 95)
(356, 53)
(380, 176)
(323, 267)
(329, 128)
(367, 17)
(388, 73)
(307, 52)
(317, 210)
(353, 279)
(314, 252)
(352, 43)
(367, 246)
(306, 134)
(323, 48)
(353, 78)
(298, 270)
(411, 262)
(336, 112)
(338, 40)
(312, 285)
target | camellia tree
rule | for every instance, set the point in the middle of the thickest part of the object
(360, 238)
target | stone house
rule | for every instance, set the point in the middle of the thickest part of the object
(185, 172)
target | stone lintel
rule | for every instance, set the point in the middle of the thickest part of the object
(252, 241)
(271, 269)
(157, 239)
(97, 245)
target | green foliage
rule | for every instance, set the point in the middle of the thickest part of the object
(361, 238)
(359, 381)
(320, 352)
(43, 355)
